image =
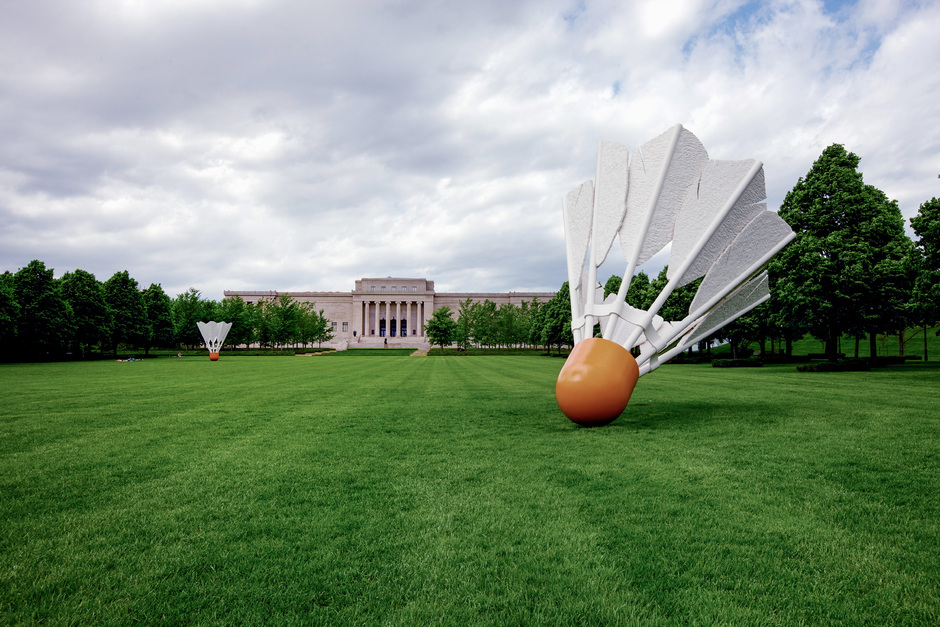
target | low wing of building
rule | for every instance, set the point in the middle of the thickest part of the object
(389, 310)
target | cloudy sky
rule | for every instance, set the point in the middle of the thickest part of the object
(300, 145)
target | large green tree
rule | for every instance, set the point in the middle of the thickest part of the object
(536, 322)
(926, 294)
(160, 317)
(188, 309)
(892, 270)
(323, 327)
(926, 225)
(507, 325)
(441, 328)
(90, 314)
(464, 322)
(312, 325)
(839, 274)
(235, 311)
(556, 320)
(9, 313)
(125, 300)
(528, 313)
(44, 323)
(483, 323)
(285, 315)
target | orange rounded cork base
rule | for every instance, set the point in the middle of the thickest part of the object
(213, 356)
(595, 385)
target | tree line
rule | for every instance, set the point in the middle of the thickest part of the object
(484, 324)
(42, 316)
(851, 271)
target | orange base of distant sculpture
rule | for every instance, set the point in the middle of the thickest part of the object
(595, 385)
(214, 356)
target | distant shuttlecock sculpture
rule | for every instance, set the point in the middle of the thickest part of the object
(213, 333)
(713, 214)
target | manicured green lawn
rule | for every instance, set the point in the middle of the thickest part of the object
(451, 490)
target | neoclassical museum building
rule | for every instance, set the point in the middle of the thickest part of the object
(390, 310)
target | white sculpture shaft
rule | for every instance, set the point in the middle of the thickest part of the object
(713, 214)
(213, 333)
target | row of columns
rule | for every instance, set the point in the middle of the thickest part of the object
(373, 311)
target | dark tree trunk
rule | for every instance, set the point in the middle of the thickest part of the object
(872, 344)
(832, 346)
(925, 340)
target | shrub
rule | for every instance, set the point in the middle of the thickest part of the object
(783, 359)
(890, 360)
(737, 363)
(843, 365)
(699, 357)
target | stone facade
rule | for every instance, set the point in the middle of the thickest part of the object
(388, 309)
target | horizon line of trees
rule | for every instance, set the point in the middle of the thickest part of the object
(42, 316)
(851, 271)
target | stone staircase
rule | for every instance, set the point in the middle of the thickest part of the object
(415, 342)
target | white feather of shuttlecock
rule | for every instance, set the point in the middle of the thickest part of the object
(713, 214)
(214, 334)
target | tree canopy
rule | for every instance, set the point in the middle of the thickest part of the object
(159, 317)
(45, 318)
(926, 295)
(843, 271)
(441, 328)
(126, 302)
(9, 313)
(90, 313)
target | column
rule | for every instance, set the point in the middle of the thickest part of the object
(408, 316)
(398, 318)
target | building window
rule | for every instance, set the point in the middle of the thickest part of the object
(383, 288)
(373, 288)
(393, 288)
(334, 325)
(414, 288)
(404, 288)
(345, 327)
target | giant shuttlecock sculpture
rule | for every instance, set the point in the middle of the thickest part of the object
(713, 214)
(214, 335)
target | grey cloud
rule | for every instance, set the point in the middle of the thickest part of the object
(288, 145)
